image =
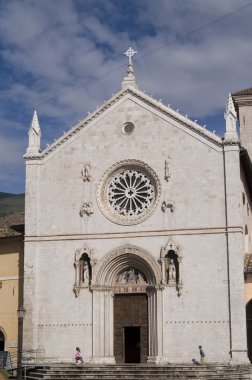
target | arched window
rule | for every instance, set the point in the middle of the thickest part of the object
(2, 341)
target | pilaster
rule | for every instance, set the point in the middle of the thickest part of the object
(103, 327)
(235, 251)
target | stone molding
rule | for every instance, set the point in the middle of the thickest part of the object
(141, 233)
(145, 99)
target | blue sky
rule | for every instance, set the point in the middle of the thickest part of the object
(65, 57)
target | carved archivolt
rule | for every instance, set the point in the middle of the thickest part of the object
(128, 192)
(122, 260)
(83, 265)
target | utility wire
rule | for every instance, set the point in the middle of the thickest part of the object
(195, 30)
(171, 42)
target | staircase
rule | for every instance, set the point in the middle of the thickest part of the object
(140, 372)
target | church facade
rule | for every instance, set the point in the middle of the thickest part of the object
(134, 238)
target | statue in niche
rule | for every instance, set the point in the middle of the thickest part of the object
(171, 272)
(83, 264)
(85, 273)
(86, 172)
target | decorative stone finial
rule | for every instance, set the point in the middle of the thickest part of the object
(129, 80)
(230, 116)
(130, 53)
(230, 106)
(34, 136)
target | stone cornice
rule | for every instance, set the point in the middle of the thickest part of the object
(176, 116)
(241, 100)
(134, 234)
(167, 111)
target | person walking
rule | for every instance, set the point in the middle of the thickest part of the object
(202, 355)
(78, 356)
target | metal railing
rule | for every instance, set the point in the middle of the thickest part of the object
(29, 359)
(33, 358)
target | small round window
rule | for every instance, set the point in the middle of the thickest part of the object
(128, 128)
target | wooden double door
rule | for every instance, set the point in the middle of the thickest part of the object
(131, 328)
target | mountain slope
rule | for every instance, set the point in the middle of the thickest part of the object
(11, 203)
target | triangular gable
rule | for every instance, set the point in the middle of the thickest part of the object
(142, 97)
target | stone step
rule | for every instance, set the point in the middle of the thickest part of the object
(141, 372)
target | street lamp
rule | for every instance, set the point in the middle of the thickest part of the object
(21, 314)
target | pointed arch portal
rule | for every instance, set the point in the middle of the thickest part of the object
(126, 294)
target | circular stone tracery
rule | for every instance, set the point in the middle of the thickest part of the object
(128, 192)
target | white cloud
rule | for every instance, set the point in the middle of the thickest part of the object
(47, 47)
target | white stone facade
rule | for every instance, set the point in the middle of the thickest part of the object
(195, 212)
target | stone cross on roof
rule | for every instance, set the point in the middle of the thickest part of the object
(130, 53)
(129, 80)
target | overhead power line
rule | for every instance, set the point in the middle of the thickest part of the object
(168, 43)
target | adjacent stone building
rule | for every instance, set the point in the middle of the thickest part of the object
(243, 105)
(134, 244)
(11, 278)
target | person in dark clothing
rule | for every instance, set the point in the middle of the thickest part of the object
(195, 362)
(202, 355)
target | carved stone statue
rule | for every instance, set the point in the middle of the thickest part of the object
(131, 276)
(86, 172)
(87, 209)
(167, 205)
(171, 272)
(85, 272)
(167, 169)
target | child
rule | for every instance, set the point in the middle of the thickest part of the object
(195, 362)
(202, 355)
(78, 356)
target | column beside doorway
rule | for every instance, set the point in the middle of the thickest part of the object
(103, 322)
(155, 302)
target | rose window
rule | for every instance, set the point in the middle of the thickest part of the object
(129, 192)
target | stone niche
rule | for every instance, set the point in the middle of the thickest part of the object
(171, 267)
